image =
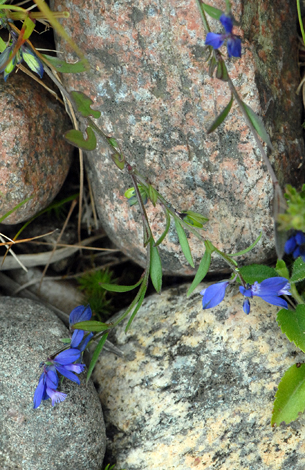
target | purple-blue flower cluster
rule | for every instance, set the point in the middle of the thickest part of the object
(270, 290)
(295, 245)
(24, 53)
(67, 362)
(217, 40)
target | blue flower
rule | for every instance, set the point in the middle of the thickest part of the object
(269, 290)
(23, 53)
(213, 294)
(295, 245)
(79, 314)
(217, 40)
(48, 381)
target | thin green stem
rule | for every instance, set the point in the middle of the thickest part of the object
(203, 17)
(300, 20)
(296, 295)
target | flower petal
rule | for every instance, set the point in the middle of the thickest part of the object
(56, 396)
(214, 294)
(246, 292)
(77, 368)
(227, 23)
(290, 245)
(246, 306)
(77, 337)
(271, 286)
(67, 357)
(67, 373)
(214, 40)
(80, 313)
(39, 392)
(32, 61)
(82, 346)
(234, 47)
(300, 238)
(274, 300)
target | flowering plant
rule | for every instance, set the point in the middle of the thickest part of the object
(276, 286)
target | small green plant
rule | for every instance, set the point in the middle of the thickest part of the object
(95, 295)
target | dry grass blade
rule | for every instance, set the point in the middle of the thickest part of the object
(58, 240)
(40, 259)
(13, 254)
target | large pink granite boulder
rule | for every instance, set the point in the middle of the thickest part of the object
(34, 157)
(149, 79)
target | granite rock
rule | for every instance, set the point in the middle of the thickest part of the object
(195, 387)
(149, 79)
(70, 435)
(34, 158)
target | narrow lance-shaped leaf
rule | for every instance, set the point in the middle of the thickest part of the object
(221, 71)
(152, 194)
(201, 272)
(64, 67)
(8, 213)
(140, 301)
(155, 267)
(83, 104)
(76, 138)
(222, 116)
(290, 396)
(95, 355)
(184, 243)
(168, 222)
(246, 250)
(258, 125)
(117, 288)
(279, 207)
(292, 324)
(91, 325)
(212, 11)
(28, 26)
(2, 45)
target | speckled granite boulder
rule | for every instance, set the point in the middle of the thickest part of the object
(34, 158)
(69, 436)
(195, 388)
(149, 79)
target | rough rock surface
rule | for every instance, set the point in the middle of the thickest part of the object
(70, 435)
(195, 388)
(149, 79)
(34, 158)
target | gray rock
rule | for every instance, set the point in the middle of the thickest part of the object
(195, 388)
(70, 435)
(149, 78)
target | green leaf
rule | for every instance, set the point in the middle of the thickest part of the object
(155, 267)
(83, 104)
(298, 270)
(201, 272)
(168, 222)
(64, 67)
(212, 66)
(281, 269)
(95, 355)
(29, 26)
(246, 250)
(142, 292)
(117, 288)
(2, 45)
(258, 125)
(184, 243)
(292, 323)
(76, 138)
(213, 12)
(119, 160)
(91, 325)
(152, 194)
(222, 116)
(290, 396)
(221, 71)
(8, 213)
(113, 142)
(257, 272)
